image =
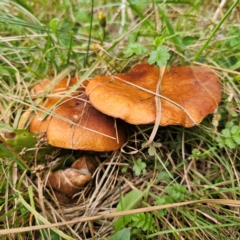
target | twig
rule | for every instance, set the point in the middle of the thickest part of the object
(227, 202)
(158, 108)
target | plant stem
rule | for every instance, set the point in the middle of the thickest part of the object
(90, 35)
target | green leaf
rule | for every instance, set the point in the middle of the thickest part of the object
(53, 25)
(158, 41)
(53, 235)
(23, 141)
(159, 56)
(151, 150)
(236, 139)
(161, 201)
(124, 169)
(149, 224)
(235, 130)
(229, 124)
(123, 234)
(219, 139)
(143, 221)
(163, 176)
(221, 144)
(135, 48)
(230, 143)
(226, 133)
(139, 167)
(188, 40)
(129, 201)
(3, 150)
(177, 192)
(138, 220)
(232, 112)
(196, 152)
(133, 36)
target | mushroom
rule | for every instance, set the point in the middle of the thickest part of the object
(68, 182)
(188, 94)
(74, 123)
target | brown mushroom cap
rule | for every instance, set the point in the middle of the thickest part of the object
(189, 93)
(61, 87)
(75, 124)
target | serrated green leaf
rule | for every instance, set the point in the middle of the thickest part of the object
(230, 143)
(229, 124)
(123, 234)
(226, 133)
(221, 144)
(135, 48)
(196, 152)
(149, 223)
(159, 56)
(236, 139)
(139, 166)
(163, 200)
(143, 221)
(219, 139)
(235, 129)
(138, 220)
(177, 192)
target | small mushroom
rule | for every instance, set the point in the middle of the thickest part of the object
(74, 123)
(188, 94)
(68, 182)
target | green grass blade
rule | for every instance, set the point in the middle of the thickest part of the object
(174, 36)
(22, 165)
(198, 54)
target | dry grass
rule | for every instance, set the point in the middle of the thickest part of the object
(192, 158)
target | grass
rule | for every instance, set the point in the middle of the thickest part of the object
(189, 186)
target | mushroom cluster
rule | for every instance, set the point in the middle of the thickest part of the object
(70, 121)
(89, 117)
